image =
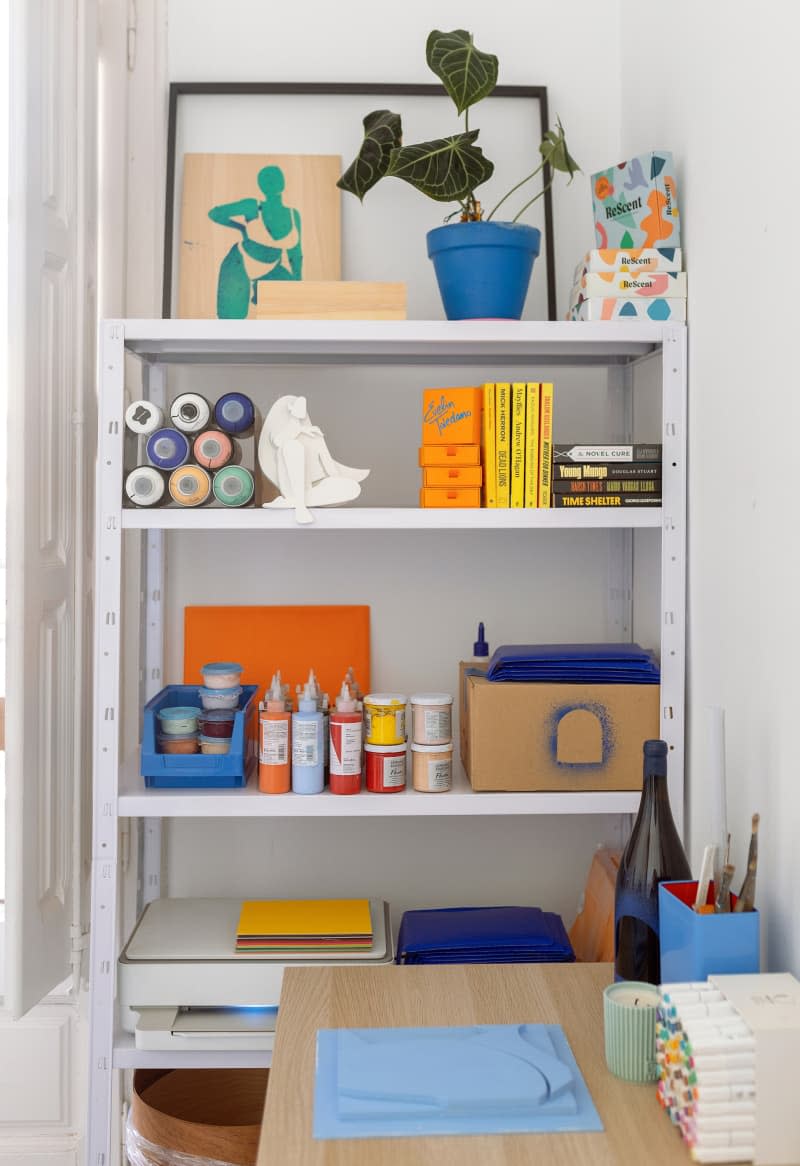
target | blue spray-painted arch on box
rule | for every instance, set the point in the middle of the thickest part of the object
(601, 713)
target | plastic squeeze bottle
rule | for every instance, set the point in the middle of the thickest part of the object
(308, 769)
(345, 749)
(274, 737)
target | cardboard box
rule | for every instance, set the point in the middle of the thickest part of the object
(558, 737)
(636, 204)
(656, 308)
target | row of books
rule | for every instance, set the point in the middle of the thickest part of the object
(606, 475)
(517, 444)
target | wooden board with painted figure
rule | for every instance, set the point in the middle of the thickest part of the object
(328, 639)
(251, 221)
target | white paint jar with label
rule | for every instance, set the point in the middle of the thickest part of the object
(432, 768)
(431, 718)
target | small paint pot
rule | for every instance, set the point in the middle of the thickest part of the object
(431, 718)
(177, 743)
(233, 486)
(190, 412)
(432, 768)
(220, 698)
(143, 417)
(217, 722)
(189, 485)
(234, 412)
(384, 718)
(386, 768)
(167, 449)
(144, 486)
(178, 720)
(212, 449)
(221, 675)
(215, 744)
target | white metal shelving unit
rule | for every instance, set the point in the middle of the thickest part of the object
(118, 789)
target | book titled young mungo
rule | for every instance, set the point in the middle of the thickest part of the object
(607, 475)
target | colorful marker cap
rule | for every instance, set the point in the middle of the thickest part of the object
(143, 417)
(144, 486)
(167, 449)
(213, 449)
(233, 486)
(234, 412)
(190, 412)
(189, 485)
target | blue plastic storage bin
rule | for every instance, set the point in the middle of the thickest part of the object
(693, 946)
(199, 770)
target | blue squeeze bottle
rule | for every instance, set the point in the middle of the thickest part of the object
(308, 750)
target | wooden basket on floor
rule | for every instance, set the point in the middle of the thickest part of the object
(210, 1113)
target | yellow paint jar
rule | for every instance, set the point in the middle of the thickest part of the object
(384, 718)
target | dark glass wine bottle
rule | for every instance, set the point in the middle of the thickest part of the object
(654, 853)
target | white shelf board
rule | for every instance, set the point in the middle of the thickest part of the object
(135, 801)
(127, 1056)
(391, 341)
(409, 518)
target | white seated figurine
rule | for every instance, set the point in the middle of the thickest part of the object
(295, 457)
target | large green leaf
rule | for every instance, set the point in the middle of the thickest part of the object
(446, 169)
(466, 73)
(382, 134)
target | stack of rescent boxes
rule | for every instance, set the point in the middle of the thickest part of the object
(450, 455)
(635, 272)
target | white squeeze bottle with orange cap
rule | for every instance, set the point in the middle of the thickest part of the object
(274, 741)
(308, 750)
(345, 750)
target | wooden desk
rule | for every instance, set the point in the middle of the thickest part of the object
(636, 1130)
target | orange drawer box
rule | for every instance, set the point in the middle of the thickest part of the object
(438, 496)
(450, 455)
(453, 476)
(451, 416)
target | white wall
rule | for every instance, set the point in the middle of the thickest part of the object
(409, 863)
(726, 103)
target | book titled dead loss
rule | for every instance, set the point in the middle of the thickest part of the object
(607, 453)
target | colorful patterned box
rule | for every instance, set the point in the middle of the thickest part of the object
(632, 284)
(636, 203)
(653, 309)
(626, 259)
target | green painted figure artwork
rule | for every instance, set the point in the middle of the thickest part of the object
(255, 228)
(270, 247)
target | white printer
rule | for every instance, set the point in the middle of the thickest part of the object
(182, 984)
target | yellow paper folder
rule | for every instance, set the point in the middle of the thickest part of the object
(278, 918)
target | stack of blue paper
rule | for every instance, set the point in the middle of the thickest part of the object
(483, 935)
(575, 663)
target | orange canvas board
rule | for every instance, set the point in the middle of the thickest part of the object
(292, 638)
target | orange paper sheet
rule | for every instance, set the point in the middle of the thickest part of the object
(283, 918)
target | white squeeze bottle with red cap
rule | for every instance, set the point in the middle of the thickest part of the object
(345, 748)
(308, 750)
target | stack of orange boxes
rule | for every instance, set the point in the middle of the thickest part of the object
(451, 447)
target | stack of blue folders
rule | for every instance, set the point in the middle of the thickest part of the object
(483, 935)
(575, 663)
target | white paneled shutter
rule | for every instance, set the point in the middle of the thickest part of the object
(51, 425)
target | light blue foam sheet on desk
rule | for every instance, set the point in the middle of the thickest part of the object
(412, 1082)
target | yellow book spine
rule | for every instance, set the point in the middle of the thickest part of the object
(532, 445)
(503, 443)
(517, 446)
(489, 459)
(545, 443)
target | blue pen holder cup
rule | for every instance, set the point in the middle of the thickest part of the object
(695, 946)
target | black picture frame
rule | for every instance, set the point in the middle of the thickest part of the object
(178, 89)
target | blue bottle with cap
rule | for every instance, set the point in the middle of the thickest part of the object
(234, 413)
(308, 747)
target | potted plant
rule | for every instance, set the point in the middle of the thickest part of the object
(483, 266)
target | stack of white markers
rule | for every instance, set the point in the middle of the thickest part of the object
(706, 1058)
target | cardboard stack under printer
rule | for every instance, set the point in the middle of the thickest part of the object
(552, 736)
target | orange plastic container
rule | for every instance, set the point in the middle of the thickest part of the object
(450, 455)
(435, 496)
(453, 476)
(451, 416)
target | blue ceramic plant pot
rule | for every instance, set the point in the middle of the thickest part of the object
(483, 269)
